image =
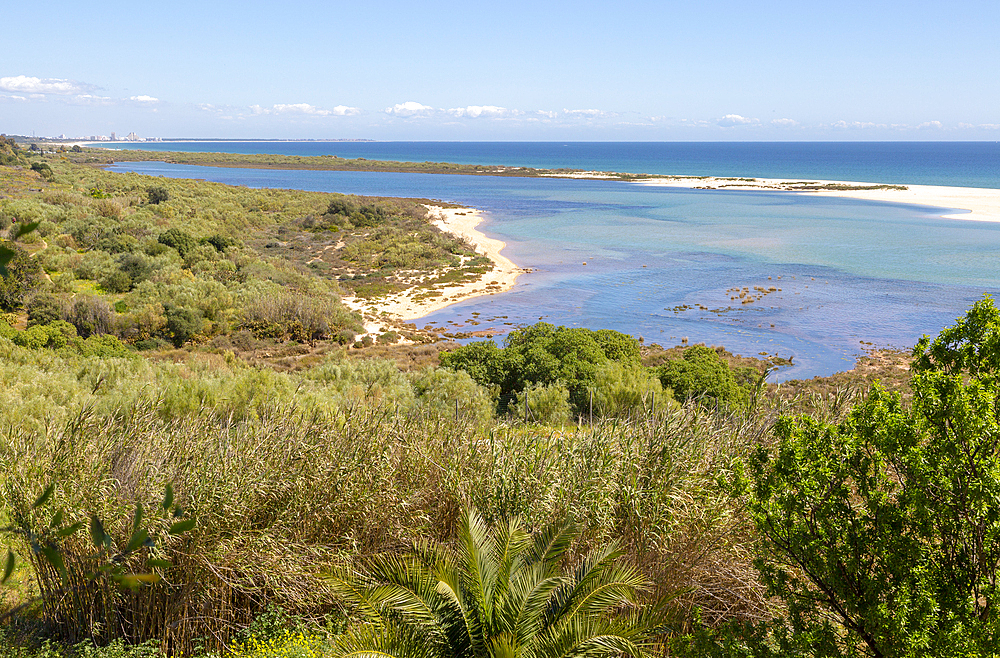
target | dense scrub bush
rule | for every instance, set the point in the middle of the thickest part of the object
(880, 534)
(350, 383)
(178, 239)
(547, 404)
(544, 354)
(702, 374)
(117, 243)
(109, 208)
(626, 389)
(440, 392)
(116, 282)
(44, 308)
(182, 323)
(282, 315)
(91, 315)
(157, 194)
(22, 277)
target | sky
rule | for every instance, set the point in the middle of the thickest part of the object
(711, 70)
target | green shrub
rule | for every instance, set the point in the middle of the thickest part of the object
(117, 243)
(22, 276)
(548, 404)
(91, 315)
(116, 281)
(45, 308)
(544, 354)
(443, 392)
(43, 169)
(54, 335)
(157, 194)
(182, 323)
(105, 346)
(702, 375)
(177, 239)
(628, 389)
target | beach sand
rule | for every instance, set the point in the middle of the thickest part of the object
(383, 313)
(967, 203)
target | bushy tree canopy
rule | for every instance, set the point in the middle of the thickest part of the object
(544, 354)
(882, 534)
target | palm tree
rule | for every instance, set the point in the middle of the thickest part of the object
(499, 593)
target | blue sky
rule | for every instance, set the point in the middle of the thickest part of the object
(513, 70)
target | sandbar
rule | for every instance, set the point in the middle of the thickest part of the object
(383, 312)
(966, 203)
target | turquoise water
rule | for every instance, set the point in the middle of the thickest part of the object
(848, 271)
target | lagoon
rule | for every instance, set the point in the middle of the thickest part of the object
(662, 263)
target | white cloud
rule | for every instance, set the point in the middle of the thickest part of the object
(735, 120)
(476, 111)
(856, 125)
(90, 99)
(295, 109)
(784, 122)
(345, 111)
(144, 99)
(593, 114)
(409, 109)
(299, 108)
(29, 85)
(930, 125)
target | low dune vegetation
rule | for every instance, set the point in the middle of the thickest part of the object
(168, 490)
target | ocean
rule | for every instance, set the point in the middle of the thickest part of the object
(964, 164)
(840, 275)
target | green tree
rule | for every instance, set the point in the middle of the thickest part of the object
(882, 533)
(43, 169)
(544, 354)
(702, 374)
(182, 323)
(157, 194)
(180, 240)
(498, 593)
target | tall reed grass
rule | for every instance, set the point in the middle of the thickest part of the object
(283, 496)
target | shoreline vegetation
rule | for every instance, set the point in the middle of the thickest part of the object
(200, 458)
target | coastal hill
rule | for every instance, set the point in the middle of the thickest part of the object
(168, 331)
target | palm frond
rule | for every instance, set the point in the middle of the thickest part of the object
(460, 616)
(370, 641)
(592, 637)
(394, 588)
(611, 586)
(529, 600)
(551, 544)
(475, 546)
(509, 543)
(598, 584)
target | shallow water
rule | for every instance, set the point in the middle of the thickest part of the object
(848, 271)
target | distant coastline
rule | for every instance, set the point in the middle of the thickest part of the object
(964, 203)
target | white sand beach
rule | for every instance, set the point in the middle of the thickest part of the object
(380, 314)
(967, 203)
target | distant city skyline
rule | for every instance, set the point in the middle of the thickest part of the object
(716, 70)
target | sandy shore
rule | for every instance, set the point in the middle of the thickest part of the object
(968, 203)
(380, 314)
